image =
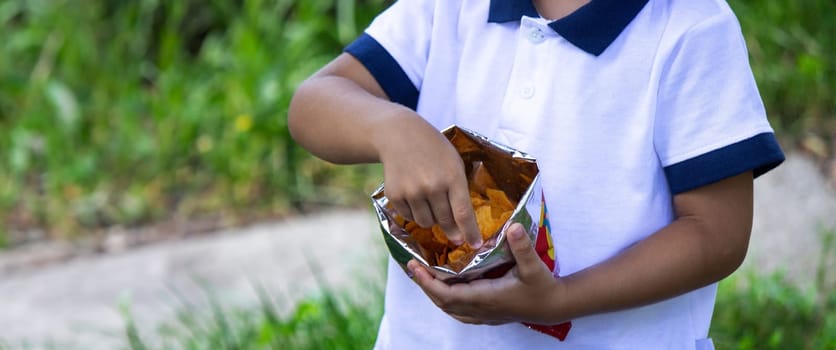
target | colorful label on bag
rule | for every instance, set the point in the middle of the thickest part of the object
(545, 249)
(544, 246)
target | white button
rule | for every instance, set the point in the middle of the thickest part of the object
(535, 35)
(527, 91)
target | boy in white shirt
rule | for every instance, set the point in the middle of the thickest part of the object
(647, 127)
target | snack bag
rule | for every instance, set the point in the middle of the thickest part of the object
(504, 188)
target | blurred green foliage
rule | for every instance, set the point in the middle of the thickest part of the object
(752, 312)
(327, 320)
(791, 46)
(756, 312)
(760, 313)
(128, 112)
(124, 112)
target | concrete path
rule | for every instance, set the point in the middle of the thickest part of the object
(75, 304)
(793, 209)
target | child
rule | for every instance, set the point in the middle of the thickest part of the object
(647, 127)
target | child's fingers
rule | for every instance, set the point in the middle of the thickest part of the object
(464, 302)
(402, 208)
(432, 287)
(450, 299)
(440, 204)
(462, 211)
(421, 212)
(528, 263)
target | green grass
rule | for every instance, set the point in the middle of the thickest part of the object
(752, 312)
(755, 312)
(767, 312)
(328, 320)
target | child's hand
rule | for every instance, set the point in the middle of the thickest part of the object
(425, 178)
(527, 293)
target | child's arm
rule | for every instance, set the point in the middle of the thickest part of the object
(706, 242)
(342, 115)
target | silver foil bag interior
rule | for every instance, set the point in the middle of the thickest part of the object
(514, 172)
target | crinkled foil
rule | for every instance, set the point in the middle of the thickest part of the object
(514, 172)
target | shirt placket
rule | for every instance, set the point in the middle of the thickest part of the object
(525, 95)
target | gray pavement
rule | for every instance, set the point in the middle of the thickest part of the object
(793, 208)
(75, 303)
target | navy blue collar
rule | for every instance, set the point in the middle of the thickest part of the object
(592, 28)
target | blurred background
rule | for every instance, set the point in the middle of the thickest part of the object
(151, 197)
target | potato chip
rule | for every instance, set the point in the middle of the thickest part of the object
(505, 216)
(499, 199)
(492, 209)
(456, 255)
(426, 239)
(400, 220)
(409, 226)
(497, 224)
(484, 220)
(439, 235)
(476, 199)
(459, 257)
(441, 258)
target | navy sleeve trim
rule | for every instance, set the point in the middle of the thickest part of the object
(385, 69)
(759, 154)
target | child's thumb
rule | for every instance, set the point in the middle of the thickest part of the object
(528, 263)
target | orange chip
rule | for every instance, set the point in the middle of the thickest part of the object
(421, 234)
(399, 220)
(410, 226)
(459, 257)
(497, 224)
(439, 235)
(456, 254)
(484, 219)
(426, 239)
(492, 209)
(476, 200)
(505, 216)
(441, 258)
(496, 211)
(488, 231)
(499, 199)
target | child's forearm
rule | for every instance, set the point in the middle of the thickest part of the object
(706, 243)
(342, 115)
(337, 113)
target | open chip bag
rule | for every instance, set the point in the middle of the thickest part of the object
(504, 188)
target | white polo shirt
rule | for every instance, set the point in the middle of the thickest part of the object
(624, 103)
